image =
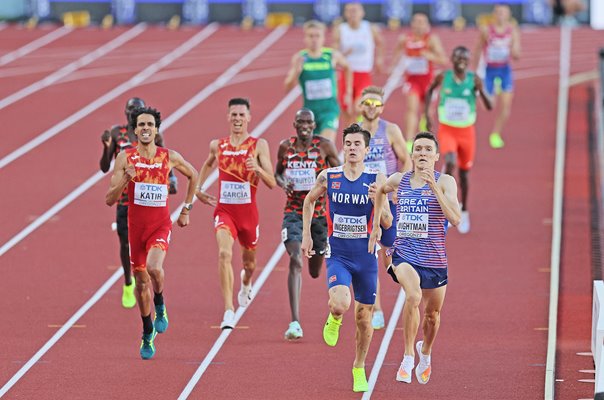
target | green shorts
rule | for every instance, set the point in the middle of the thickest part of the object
(326, 120)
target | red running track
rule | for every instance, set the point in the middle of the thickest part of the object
(496, 305)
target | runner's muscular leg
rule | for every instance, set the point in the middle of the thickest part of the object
(504, 112)
(225, 266)
(409, 280)
(155, 261)
(249, 264)
(339, 300)
(143, 291)
(411, 115)
(294, 277)
(364, 332)
(433, 300)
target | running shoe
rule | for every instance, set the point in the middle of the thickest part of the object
(161, 318)
(359, 380)
(464, 225)
(423, 369)
(331, 330)
(410, 146)
(496, 141)
(147, 346)
(228, 320)
(128, 298)
(245, 293)
(404, 371)
(294, 331)
(423, 124)
(378, 319)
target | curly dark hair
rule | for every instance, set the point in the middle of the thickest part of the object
(356, 128)
(145, 110)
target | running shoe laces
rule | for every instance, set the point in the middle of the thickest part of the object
(359, 380)
(161, 318)
(331, 330)
(423, 369)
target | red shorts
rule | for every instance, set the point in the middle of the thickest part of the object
(144, 237)
(360, 80)
(242, 222)
(417, 84)
(461, 141)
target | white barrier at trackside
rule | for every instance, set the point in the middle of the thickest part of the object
(597, 334)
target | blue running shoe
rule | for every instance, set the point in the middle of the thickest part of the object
(161, 318)
(147, 345)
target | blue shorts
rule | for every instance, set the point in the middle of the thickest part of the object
(388, 235)
(429, 278)
(359, 269)
(504, 73)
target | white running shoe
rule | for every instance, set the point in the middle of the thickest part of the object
(228, 320)
(294, 331)
(378, 319)
(405, 370)
(245, 293)
(423, 369)
(464, 225)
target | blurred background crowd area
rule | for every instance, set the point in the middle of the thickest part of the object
(457, 13)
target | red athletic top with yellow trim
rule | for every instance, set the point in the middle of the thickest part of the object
(301, 169)
(237, 184)
(417, 64)
(148, 190)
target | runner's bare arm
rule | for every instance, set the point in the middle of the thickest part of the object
(184, 167)
(437, 52)
(122, 174)
(335, 38)
(516, 48)
(438, 79)
(479, 47)
(340, 61)
(330, 153)
(397, 141)
(291, 79)
(447, 198)
(378, 39)
(262, 164)
(308, 210)
(478, 86)
(204, 172)
(383, 189)
(398, 52)
(382, 202)
(280, 168)
(109, 144)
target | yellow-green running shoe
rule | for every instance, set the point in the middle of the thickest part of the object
(423, 125)
(331, 330)
(161, 318)
(359, 380)
(496, 141)
(410, 146)
(147, 346)
(128, 298)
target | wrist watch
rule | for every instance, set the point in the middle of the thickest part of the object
(187, 206)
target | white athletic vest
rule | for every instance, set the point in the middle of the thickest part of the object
(361, 42)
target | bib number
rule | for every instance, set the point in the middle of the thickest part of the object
(235, 192)
(349, 227)
(303, 179)
(318, 89)
(150, 194)
(412, 225)
(457, 110)
(417, 66)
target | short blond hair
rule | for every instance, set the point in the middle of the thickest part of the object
(313, 23)
(373, 90)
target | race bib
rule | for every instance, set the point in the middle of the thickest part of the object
(349, 227)
(379, 165)
(412, 225)
(303, 179)
(498, 54)
(318, 89)
(150, 194)
(417, 66)
(457, 110)
(235, 192)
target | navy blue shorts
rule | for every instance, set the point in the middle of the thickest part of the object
(504, 73)
(429, 278)
(359, 269)
(388, 235)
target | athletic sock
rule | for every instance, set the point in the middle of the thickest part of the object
(158, 299)
(147, 324)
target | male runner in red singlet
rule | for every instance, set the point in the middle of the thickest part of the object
(116, 139)
(299, 160)
(243, 161)
(144, 171)
(421, 49)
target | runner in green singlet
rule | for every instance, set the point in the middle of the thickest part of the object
(314, 68)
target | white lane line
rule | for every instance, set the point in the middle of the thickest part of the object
(391, 84)
(34, 45)
(381, 355)
(225, 77)
(255, 52)
(73, 66)
(550, 364)
(112, 94)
